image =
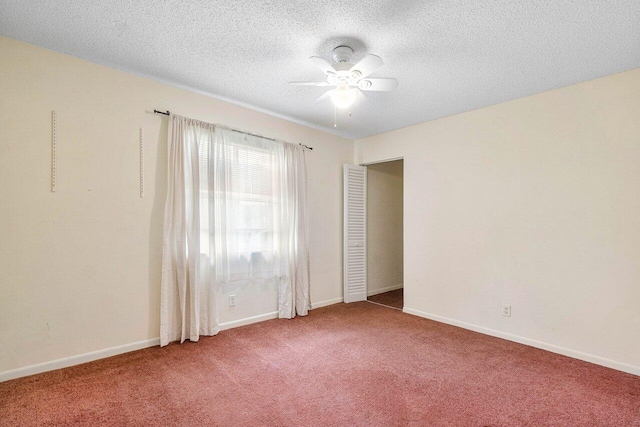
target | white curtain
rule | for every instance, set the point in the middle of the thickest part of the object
(293, 247)
(235, 211)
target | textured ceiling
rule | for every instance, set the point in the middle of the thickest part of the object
(449, 56)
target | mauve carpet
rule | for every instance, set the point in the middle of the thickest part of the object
(344, 365)
(392, 299)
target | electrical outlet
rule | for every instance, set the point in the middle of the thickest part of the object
(232, 300)
(506, 310)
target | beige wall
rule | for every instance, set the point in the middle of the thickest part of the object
(384, 227)
(80, 268)
(532, 203)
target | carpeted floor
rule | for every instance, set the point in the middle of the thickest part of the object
(392, 299)
(344, 365)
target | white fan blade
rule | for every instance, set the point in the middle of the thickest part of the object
(380, 85)
(325, 96)
(367, 65)
(310, 83)
(323, 64)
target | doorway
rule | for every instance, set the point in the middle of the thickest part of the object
(384, 219)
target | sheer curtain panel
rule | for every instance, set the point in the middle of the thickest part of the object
(293, 245)
(187, 307)
(236, 211)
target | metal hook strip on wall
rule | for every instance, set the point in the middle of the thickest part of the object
(53, 152)
(141, 164)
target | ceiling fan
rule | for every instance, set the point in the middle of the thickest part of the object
(349, 79)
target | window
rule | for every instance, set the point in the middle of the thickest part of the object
(235, 211)
(239, 174)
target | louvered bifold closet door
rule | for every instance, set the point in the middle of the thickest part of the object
(355, 233)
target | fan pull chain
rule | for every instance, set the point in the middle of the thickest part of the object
(335, 121)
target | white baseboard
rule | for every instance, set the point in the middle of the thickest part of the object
(65, 362)
(383, 290)
(620, 366)
(114, 351)
(249, 320)
(326, 302)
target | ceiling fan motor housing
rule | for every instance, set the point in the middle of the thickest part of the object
(345, 74)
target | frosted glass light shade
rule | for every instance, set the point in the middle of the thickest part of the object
(343, 96)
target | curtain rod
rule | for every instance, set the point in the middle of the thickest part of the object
(167, 113)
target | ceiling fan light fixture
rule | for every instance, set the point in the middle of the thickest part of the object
(349, 79)
(343, 96)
